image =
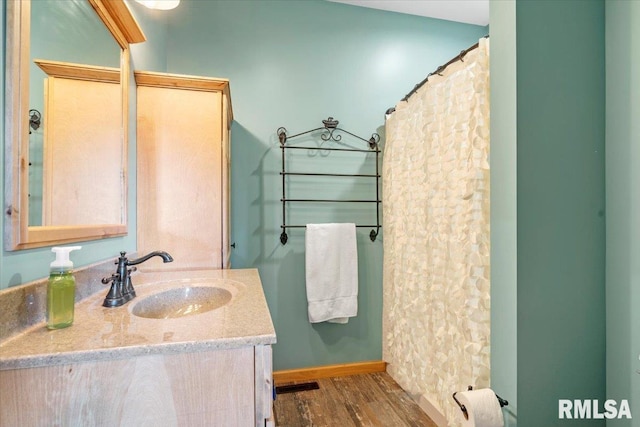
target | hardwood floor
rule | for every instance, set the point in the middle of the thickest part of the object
(357, 400)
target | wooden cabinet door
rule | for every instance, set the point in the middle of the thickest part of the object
(180, 176)
(83, 172)
(206, 388)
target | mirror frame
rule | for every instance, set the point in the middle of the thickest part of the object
(17, 233)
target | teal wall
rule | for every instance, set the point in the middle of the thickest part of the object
(504, 368)
(18, 267)
(152, 54)
(560, 207)
(293, 64)
(623, 204)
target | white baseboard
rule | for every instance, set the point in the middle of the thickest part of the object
(433, 411)
(429, 408)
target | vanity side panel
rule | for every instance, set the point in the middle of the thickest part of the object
(264, 384)
(186, 389)
(226, 181)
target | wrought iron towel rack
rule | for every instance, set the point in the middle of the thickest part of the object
(330, 132)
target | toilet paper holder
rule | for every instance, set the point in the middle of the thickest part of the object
(502, 402)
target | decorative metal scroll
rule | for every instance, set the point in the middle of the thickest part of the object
(330, 132)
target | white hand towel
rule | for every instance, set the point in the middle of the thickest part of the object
(331, 262)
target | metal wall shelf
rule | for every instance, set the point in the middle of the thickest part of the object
(330, 132)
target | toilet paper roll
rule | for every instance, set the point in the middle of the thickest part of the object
(483, 408)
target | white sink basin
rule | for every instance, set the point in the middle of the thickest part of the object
(181, 302)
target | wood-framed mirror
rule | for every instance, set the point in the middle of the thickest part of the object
(82, 219)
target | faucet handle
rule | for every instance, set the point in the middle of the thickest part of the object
(113, 277)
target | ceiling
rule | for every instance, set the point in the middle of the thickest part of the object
(467, 11)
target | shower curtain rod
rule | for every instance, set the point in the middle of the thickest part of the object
(438, 71)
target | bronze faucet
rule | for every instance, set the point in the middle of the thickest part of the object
(121, 287)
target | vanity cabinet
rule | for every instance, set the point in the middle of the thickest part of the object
(115, 368)
(183, 159)
(230, 387)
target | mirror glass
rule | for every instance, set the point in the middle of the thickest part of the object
(66, 120)
(69, 31)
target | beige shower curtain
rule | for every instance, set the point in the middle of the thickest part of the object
(436, 307)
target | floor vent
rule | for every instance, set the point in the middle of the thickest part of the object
(293, 388)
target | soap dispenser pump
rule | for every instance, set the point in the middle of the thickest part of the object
(61, 289)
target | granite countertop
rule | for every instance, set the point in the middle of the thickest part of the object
(100, 333)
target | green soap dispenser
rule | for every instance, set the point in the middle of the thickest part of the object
(61, 290)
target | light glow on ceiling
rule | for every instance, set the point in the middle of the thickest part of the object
(160, 4)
